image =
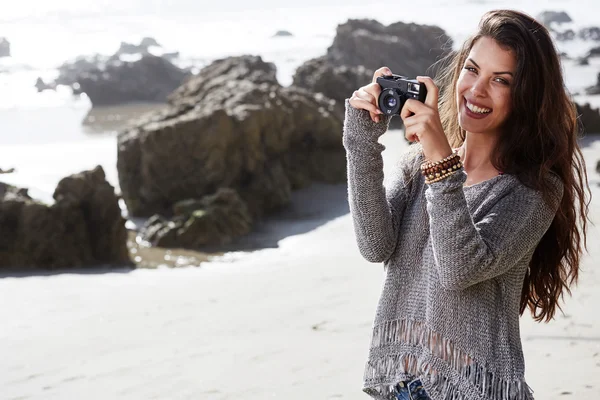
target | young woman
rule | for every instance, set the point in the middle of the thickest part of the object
(480, 221)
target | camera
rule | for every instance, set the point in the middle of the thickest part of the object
(395, 90)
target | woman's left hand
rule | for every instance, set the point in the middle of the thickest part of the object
(422, 123)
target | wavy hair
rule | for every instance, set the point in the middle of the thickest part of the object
(540, 136)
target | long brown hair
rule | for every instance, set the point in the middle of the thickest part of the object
(539, 137)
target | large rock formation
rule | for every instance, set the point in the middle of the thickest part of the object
(589, 118)
(548, 18)
(4, 47)
(133, 74)
(231, 126)
(150, 79)
(334, 81)
(83, 227)
(362, 46)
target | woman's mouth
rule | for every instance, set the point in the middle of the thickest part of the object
(474, 111)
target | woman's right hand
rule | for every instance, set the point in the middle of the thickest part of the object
(366, 97)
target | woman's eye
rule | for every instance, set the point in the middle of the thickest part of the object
(471, 69)
(502, 81)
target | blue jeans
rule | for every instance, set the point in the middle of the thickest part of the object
(411, 390)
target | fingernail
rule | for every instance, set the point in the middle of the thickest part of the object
(376, 119)
(379, 112)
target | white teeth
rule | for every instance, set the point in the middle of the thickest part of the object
(479, 110)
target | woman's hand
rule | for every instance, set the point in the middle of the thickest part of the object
(422, 123)
(366, 97)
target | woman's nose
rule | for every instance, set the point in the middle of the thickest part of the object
(478, 88)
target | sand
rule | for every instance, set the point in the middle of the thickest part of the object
(288, 322)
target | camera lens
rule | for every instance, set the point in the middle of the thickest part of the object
(390, 101)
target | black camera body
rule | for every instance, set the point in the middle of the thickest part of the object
(395, 90)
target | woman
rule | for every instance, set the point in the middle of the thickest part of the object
(486, 234)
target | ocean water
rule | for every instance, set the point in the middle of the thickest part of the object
(48, 135)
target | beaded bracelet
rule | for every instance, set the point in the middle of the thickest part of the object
(442, 168)
(428, 164)
(428, 168)
(436, 171)
(429, 180)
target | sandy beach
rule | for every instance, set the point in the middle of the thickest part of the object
(287, 322)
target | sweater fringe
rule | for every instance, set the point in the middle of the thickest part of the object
(446, 372)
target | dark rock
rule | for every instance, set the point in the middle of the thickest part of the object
(41, 85)
(553, 17)
(361, 46)
(336, 82)
(282, 34)
(142, 48)
(583, 61)
(407, 49)
(7, 171)
(83, 228)
(594, 52)
(4, 47)
(150, 79)
(598, 167)
(69, 72)
(591, 33)
(594, 89)
(231, 126)
(213, 220)
(589, 118)
(564, 36)
(113, 80)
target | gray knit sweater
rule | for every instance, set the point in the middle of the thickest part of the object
(454, 259)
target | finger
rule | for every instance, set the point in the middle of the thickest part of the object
(412, 133)
(432, 91)
(365, 94)
(411, 107)
(381, 72)
(373, 89)
(414, 120)
(366, 105)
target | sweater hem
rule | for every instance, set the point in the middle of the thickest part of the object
(403, 349)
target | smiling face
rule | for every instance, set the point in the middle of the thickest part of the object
(483, 89)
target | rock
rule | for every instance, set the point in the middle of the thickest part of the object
(334, 81)
(69, 72)
(7, 171)
(150, 79)
(142, 48)
(83, 228)
(361, 46)
(583, 61)
(213, 220)
(553, 17)
(282, 34)
(593, 52)
(594, 89)
(598, 167)
(566, 35)
(589, 118)
(591, 33)
(131, 75)
(407, 49)
(231, 126)
(41, 85)
(4, 47)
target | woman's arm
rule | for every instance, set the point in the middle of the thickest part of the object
(467, 253)
(376, 212)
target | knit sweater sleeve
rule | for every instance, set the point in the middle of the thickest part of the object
(376, 211)
(466, 252)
